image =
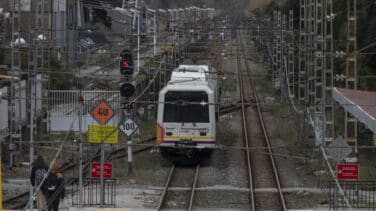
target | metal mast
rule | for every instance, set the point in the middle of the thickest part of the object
(16, 42)
(302, 51)
(351, 70)
(38, 36)
(284, 43)
(310, 75)
(317, 42)
(277, 49)
(328, 117)
(290, 60)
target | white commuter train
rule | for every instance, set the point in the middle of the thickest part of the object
(188, 112)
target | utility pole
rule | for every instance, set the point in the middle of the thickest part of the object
(155, 28)
(138, 35)
(310, 66)
(278, 50)
(328, 117)
(318, 45)
(155, 33)
(282, 79)
(291, 66)
(302, 52)
(15, 71)
(351, 70)
(80, 162)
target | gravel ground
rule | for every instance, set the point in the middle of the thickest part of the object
(292, 168)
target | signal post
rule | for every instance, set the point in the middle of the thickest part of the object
(127, 90)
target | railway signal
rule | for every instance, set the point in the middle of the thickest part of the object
(127, 89)
(126, 63)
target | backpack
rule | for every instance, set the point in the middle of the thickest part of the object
(52, 182)
(39, 175)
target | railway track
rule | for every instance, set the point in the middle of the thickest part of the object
(177, 182)
(20, 200)
(261, 165)
(181, 183)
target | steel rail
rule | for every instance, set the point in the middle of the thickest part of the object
(245, 130)
(265, 133)
(193, 187)
(167, 183)
(217, 63)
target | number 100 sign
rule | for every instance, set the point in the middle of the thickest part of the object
(128, 126)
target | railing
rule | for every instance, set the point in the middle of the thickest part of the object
(92, 193)
(65, 102)
(360, 194)
(64, 106)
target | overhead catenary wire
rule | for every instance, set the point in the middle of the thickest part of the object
(178, 102)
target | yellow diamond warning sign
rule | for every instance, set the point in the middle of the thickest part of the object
(102, 112)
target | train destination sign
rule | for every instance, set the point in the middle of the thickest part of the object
(128, 126)
(348, 171)
(102, 112)
(95, 170)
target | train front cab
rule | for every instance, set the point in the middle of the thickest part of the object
(186, 123)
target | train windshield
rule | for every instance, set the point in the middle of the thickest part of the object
(186, 107)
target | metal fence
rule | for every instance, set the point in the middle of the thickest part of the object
(360, 194)
(92, 193)
(64, 104)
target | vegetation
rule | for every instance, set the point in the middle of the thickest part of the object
(60, 78)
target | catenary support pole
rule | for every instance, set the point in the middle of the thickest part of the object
(155, 33)
(138, 37)
(80, 166)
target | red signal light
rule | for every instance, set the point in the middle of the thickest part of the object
(125, 64)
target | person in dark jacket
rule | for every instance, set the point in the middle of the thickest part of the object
(38, 171)
(54, 188)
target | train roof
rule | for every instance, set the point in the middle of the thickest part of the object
(194, 68)
(192, 77)
(190, 74)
